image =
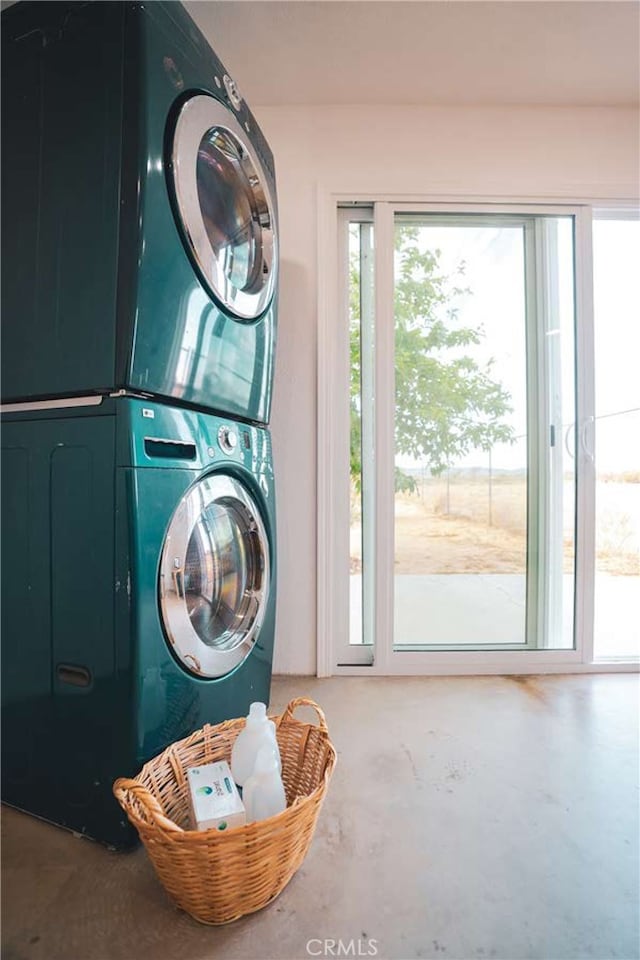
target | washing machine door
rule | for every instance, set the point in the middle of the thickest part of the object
(224, 207)
(214, 576)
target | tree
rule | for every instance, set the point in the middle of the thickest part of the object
(446, 402)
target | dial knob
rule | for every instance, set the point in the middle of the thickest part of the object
(232, 92)
(228, 439)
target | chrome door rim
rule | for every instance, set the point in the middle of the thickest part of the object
(200, 114)
(197, 656)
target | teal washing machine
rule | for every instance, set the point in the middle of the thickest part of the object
(138, 595)
(139, 221)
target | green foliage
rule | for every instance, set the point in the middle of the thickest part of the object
(404, 482)
(446, 402)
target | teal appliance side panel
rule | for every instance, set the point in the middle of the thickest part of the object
(81, 547)
(82, 571)
(185, 347)
(63, 701)
(61, 130)
(25, 621)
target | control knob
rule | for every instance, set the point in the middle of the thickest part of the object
(228, 439)
(232, 92)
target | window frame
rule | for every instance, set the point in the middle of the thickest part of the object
(333, 445)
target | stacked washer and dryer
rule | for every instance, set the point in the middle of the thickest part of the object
(139, 300)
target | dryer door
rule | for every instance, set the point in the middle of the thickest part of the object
(214, 576)
(224, 207)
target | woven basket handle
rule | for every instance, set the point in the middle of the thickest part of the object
(127, 790)
(304, 702)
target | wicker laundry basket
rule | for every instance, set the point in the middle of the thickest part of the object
(218, 877)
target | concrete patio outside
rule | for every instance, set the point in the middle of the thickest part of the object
(471, 608)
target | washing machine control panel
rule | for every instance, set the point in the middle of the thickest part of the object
(228, 439)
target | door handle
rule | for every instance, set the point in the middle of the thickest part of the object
(566, 440)
(583, 439)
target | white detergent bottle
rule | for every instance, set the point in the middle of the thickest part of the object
(274, 740)
(258, 731)
(263, 794)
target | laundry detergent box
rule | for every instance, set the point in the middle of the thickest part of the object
(214, 797)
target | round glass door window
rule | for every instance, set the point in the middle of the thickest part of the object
(214, 576)
(224, 207)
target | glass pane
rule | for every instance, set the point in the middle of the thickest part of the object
(221, 572)
(361, 529)
(485, 487)
(616, 255)
(461, 434)
(228, 210)
(355, 441)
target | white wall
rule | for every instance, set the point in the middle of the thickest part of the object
(545, 153)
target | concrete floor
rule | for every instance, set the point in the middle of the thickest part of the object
(468, 818)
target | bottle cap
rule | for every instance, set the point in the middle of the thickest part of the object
(257, 712)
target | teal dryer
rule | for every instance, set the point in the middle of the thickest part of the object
(139, 222)
(138, 595)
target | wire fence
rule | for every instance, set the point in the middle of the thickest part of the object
(497, 495)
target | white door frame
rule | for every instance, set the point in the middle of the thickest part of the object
(333, 446)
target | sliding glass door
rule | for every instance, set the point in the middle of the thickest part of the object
(463, 436)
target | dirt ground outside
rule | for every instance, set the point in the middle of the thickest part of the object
(469, 526)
